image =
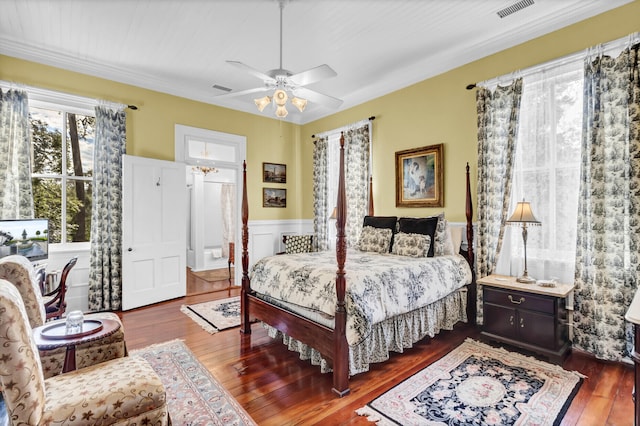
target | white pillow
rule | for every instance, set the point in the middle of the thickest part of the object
(456, 232)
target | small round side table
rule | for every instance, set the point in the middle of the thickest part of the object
(52, 335)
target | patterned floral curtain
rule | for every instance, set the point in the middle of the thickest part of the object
(498, 113)
(321, 192)
(607, 261)
(357, 151)
(228, 205)
(16, 195)
(105, 274)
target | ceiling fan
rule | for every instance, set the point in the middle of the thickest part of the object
(283, 81)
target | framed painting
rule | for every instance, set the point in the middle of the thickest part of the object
(419, 177)
(274, 197)
(274, 173)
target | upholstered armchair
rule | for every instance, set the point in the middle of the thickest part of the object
(19, 271)
(121, 391)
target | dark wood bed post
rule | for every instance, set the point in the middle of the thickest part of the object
(245, 326)
(471, 299)
(341, 348)
(370, 196)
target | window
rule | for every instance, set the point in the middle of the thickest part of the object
(62, 168)
(547, 173)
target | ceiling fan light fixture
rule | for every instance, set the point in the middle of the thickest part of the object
(300, 103)
(261, 103)
(281, 111)
(284, 83)
(280, 97)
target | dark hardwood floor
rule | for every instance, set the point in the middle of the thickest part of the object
(276, 388)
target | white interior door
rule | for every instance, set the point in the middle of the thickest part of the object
(154, 211)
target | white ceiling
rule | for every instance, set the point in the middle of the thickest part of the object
(181, 47)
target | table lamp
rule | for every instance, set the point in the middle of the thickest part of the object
(523, 215)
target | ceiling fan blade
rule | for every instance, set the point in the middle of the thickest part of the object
(317, 97)
(312, 75)
(242, 92)
(254, 72)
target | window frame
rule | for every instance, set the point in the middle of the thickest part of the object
(41, 98)
(544, 251)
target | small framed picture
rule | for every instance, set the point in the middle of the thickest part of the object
(274, 197)
(419, 177)
(274, 173)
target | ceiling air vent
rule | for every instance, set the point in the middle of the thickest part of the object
(516, 7)
(224, 89)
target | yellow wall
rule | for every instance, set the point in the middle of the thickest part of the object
(150, 129)
(441, 110)
(437, 110)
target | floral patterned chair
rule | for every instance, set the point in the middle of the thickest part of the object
(123, 391)
(19, 271)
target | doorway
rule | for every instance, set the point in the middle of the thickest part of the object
(211, 228)
(213, 167)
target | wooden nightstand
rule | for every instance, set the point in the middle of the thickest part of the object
(528, 316)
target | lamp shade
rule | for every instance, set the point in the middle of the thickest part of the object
(334, 214)
(299, 103)
(523, 214)
(280, 97)
(281, 111)
(261, 103)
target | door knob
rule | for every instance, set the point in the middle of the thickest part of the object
(129, 249)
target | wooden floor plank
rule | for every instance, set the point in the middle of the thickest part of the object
(276, 388)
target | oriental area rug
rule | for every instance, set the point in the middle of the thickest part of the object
(194, 397)
(215, 315)
(477, 384)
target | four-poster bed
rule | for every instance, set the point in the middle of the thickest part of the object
(334, 340)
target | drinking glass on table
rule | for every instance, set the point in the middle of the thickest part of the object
(74, 322)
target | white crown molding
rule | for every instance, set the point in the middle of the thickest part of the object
(424, 68)
(441, 62)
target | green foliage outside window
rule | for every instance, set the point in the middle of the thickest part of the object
(58, 164)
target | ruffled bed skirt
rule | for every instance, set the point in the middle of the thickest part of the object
(394, 334)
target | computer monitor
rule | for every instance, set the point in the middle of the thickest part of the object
(27, 237)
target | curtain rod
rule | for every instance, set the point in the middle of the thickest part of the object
(623, 42)
(373, 117)
(41, 91)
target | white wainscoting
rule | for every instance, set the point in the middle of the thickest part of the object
(265, 239)
(265, 236)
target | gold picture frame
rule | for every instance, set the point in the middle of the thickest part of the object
(274, 173)
(274, 197)
(420, 177)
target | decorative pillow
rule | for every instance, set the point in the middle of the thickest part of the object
(448, 246)
(456, 233)
(388, 222)
(413, 245)
(439, 241)
(375, 240)
(381, 222)
(424, 226)
(298, 243)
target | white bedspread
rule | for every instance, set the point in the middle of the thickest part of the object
(378, 286)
